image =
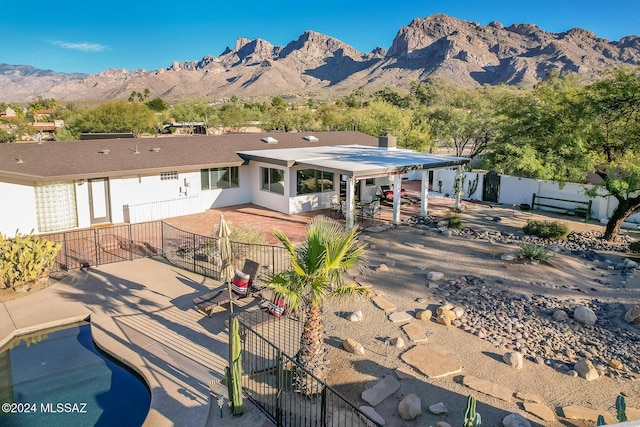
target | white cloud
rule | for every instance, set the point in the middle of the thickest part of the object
(83, 46)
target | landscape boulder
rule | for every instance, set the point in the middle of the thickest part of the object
(586, 370)
(515, 420)
(424, 315)
(356, 316)
(584, 315)
(438, 408)
(633, 315)
(560, 315)
(513, 359)
(353, 346)
(435, 275)
(410, 407)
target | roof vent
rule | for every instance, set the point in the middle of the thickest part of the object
(311, 138)
(19, 159)
(155, 149)
(136, 150)
(269, 140)
(105, 151)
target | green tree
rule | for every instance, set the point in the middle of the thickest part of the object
(156, 104)
(564, 130)
(278, 103)
(113, 116)
(318, 267)
(6, 136)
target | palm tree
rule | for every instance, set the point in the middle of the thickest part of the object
(318, 266)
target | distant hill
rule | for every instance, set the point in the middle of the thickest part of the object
(463, 52)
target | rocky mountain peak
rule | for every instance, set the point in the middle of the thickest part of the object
(313, 46)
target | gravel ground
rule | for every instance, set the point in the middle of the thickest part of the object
(508, 306)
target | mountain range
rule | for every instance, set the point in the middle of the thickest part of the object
(440, 46)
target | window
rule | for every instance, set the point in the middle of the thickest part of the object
(370, 182)
(272, 180)
(314, 181)
(166, 176)
(56, 206)
(214, 178)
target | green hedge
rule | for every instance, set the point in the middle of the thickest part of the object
(546, 229)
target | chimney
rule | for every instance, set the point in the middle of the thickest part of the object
(387, 140)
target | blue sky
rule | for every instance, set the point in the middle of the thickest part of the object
(89, 37)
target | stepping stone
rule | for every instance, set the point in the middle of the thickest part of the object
(371, 413)
(487, 387)
(540, 411)
(383, 303)
(379, 392)
(415, 332)
(375, 229)
(582, 413)
(400, 316)
(528, 397)
(431, 362)
(405, 374)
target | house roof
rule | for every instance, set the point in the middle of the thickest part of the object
(59, 161)
(354, 160)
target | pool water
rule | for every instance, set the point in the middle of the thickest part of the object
(63, 380)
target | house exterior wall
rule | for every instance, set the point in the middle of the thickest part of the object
(19, 210)
(265, 198)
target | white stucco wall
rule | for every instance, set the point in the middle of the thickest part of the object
(267, 199)
(18, 210)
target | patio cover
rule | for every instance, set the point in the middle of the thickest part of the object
(357, 162)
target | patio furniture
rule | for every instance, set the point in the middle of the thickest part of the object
(371, 210)
(244, 279)
(386, 196)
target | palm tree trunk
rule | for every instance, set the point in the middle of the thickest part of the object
(312, 354)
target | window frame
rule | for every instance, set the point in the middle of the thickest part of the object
(233, 181)
(318, 176)
(266, 180)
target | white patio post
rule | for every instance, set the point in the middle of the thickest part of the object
(351, 193)
(424, 192)
(397, 183)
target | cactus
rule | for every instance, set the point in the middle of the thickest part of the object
(25, 258)
(601, 421)
(233, 372)
(471, 417)
(621, 409)
(473, 186)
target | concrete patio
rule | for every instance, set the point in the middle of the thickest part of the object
(141, 313)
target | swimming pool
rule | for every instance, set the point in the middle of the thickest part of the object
(63, 380)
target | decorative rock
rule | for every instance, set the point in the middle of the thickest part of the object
(382, 268)
(513, 359)
(441, 311)
(400, 316)
(371, 413)
(560, 315)
(509, 257)
(615, 364)
(353, 346)
(381, 390)
(540, 411)
(356, 316)
(424, 315)
(442, 424)
(487, 387)
(404, 373)
(443, 320)
(458, 311)
(515, 420)
(584, 315)
(438, 408)
(435, 276)
(410, 407)
(397, 342)
(633, 315)
(586, 370)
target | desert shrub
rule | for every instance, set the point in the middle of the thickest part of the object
(634, 247)
(25, 258)
(546, 229)
(533, 253)
(454, 221)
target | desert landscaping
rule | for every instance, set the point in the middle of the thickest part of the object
(547, 340)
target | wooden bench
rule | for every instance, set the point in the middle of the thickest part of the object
(208, 302)
(580, 208)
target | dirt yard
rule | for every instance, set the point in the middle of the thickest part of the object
(497, 296)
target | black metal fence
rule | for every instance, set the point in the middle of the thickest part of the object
(190, 251)
(96, 246)
(272, 377)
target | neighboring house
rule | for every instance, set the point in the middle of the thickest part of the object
(65, 185)
(46, 131)
(8, 113)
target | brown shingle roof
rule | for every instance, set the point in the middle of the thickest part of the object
(57, 161)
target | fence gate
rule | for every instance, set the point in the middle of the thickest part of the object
(491, 188)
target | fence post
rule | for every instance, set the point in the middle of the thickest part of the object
(533, 201)
(193, 257)
(164, 254)
(279, 389)
(97, 245)
(323, 407)
(130, 244)
(66, 250)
